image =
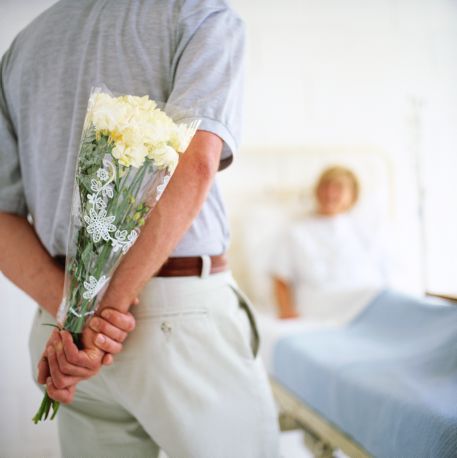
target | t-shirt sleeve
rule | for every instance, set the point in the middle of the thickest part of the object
(12, 199)
(208, 73)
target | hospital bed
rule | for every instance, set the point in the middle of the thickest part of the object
(384, 385)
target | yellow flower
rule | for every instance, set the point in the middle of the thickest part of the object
(138, 130)
(164, 156)
(130, 155)
(106, 113)
(137, 155)
(180, 137)
(142, 103)
(119, 150)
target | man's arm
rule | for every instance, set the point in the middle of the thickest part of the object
(168, 221)
(25, 261)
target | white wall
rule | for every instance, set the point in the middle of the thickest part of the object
(378, 73)
(319, 73)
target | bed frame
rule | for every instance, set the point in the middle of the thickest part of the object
(321, 437)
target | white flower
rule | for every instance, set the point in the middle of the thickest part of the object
(161, 187)
(164, 157)
(99, 225)
(102, 174)
(156, 128)
(95, 185)
(135, 155)
(120, 235)
(130, 241)
(181, 136)
(96, 201)
(119, 240)
(107, 113)
(130, 156)
(138, 130)
(93, 286)
(118, 150)
(107, 191)
(141, 103)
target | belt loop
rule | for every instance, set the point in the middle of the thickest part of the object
(206, 266)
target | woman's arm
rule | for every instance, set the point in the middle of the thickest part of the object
(284, 301)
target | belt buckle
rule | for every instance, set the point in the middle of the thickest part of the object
(206, 266)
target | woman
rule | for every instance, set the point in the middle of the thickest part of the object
(325, 263)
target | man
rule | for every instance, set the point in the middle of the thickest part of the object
(188, 379)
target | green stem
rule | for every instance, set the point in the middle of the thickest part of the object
(45, 407)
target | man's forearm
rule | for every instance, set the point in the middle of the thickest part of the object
(168, 221)
(25, 261)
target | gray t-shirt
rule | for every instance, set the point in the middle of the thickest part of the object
(188, 54)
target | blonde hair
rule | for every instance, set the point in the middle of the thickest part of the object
(336, 172)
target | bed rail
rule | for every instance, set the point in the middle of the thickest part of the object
(323, 437)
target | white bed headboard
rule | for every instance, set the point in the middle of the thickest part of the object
(265, 188)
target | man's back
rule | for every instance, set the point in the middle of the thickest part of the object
(189, 379)
(132, 47)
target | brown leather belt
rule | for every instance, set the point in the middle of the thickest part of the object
(193, 266)
(185, 266)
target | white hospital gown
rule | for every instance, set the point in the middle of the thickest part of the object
(332, 265)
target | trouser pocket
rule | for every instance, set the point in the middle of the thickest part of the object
(247, 307)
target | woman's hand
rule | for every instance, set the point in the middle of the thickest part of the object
(287, 314)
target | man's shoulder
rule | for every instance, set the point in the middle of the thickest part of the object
(26, 35)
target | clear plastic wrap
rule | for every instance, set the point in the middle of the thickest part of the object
(128, 152)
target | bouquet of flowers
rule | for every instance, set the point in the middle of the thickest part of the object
(128, 152)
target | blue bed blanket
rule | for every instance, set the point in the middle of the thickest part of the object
(388, 379)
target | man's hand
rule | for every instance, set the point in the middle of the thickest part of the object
(63, 365)
(111, 328)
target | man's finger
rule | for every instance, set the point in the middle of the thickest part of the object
(107, 345)
(64, 395)
(123, 321)
(107, 359)
(43, 370)
(54, 337)
(59, 380)
(74, 355)
(102, 326)
(70, 369)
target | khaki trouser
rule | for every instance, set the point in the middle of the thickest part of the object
(188, 380)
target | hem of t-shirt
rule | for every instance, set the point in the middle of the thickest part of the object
(208, 247)
(17, 207)
(218, 128)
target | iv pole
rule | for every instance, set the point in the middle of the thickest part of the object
(415, 123)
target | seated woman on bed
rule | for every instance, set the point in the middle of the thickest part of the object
(326, 268)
